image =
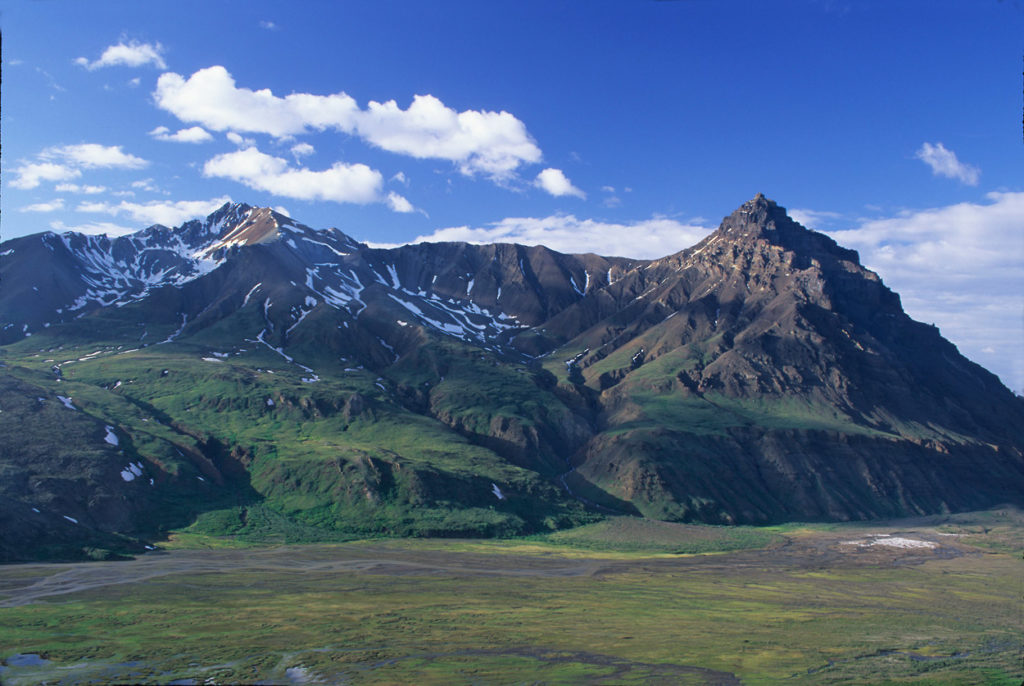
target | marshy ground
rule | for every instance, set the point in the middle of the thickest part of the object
(932, 600)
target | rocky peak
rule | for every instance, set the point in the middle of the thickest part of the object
(257, 226)
(228, 214)
(758, 217)
(762, 221)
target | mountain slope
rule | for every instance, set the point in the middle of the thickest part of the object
(324, 388)
(786, 382)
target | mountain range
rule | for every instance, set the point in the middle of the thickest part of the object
(246, 374)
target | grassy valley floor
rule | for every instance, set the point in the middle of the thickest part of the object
(934, 600)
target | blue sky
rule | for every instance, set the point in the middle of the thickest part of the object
(625, 127)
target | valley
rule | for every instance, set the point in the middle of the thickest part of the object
(931, 600)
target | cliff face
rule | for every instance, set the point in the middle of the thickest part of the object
(761, 375)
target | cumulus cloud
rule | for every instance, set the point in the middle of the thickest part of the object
(94, 155)
(300, 150)
(131, 54)
(944, 162)
(51, 206)
(210, 97)
(399, 204)
(354, 183)
(31, 174)
(63, 163)
(194, 134)
(75, 188)
(477, 142)
(555, 182)
(813, 219)
(147, 185)
(491, 143)
(93, 228)
(157, 212)
(239, 140)
(961, 267)
(650, 238)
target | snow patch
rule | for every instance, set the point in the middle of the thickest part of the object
(111, 437)
(497, 492)
(888, 541)
(133, 470)
(184, 320)
(249, 294)
(67, 402)
(70, 519)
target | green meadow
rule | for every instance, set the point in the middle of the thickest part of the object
(621, 601)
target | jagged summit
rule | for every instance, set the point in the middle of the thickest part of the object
(242, 225)
(763, 219)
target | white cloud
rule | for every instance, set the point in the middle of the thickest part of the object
(75, 188)
(240, 141)
(655, 237)
(94, 155)
(610, 199)
(484, 142)
(399, 204)
(134, 83)
(30, 175)
(961, 267)
(557, 184)
(194, 134)
(491, 143)
(945, 163)
(813, 219)
(63, 163)
(157, 212)
(354, 183)
(281, 209)
(131, 54)
(93, 228)
(300, 150)
(268, 25)
(145, 185)
(211, 98)
(51, 206)
(401, 178)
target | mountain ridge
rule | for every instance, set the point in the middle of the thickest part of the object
(762, 375)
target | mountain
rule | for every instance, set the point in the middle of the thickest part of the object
(246, 374)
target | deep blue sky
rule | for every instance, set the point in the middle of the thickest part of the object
(889, 124)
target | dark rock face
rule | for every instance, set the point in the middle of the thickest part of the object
(761, 375)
